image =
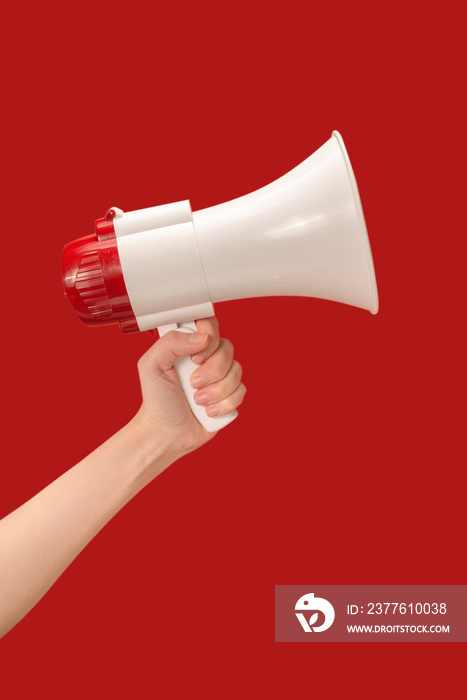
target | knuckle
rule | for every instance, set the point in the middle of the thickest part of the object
(216, 393)
(210, 326)
(215, 342)
(240, 395)
(172, 337)
(219, 391)
(228, 346)
(227, 406)
(238, 370)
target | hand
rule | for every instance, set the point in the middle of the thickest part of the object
(217, 382)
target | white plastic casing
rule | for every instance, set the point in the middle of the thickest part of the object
(161, 265)
(303, 235)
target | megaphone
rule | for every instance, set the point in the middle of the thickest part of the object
(165, 266)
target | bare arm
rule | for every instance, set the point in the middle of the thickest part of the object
(42, 537)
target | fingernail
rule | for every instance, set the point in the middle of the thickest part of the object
(197, 382)
(212, 411)
(201, 398)
(197, 337)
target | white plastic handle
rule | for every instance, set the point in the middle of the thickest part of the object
(185, 367)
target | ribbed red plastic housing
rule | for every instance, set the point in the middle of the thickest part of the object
(93, 279)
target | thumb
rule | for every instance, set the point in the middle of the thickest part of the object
(165, 351)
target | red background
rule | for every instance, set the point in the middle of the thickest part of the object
(345, 463)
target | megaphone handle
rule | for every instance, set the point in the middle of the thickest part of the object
(185, 367)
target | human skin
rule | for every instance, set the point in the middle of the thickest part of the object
(41, 538)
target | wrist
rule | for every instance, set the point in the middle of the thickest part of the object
(156, 449)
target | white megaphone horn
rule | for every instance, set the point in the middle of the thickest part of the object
(163, 267)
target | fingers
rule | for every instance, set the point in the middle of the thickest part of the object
(163, 354)
(227, 405)
(211, 327)
(215, 367)
(201, 345)
(218, 381)
(225, 395)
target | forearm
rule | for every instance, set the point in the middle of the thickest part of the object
(42, 537)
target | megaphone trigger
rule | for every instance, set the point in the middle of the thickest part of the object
(184, 368)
